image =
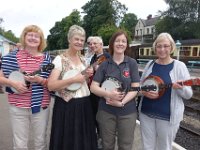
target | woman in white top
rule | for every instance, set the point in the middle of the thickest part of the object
(72, 122)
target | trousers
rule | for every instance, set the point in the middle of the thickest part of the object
(157, 134)
(22, 121)
(112, 126)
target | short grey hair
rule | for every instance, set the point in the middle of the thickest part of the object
(89, 39)
(74, 30)
(164, 36)
(97, 39)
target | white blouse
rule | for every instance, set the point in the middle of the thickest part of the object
(64, 64)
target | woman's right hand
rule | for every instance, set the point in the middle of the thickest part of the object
(79, 78)
(115, 95)
(20, 87)
(151, 94)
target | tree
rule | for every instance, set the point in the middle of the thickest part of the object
(129, 22)
(58, 34)
(180, 19)
(100, 13)
(11, 36)
(1, 29)
(107, 31)
(186, 10)
(1, 20)
(8, 34)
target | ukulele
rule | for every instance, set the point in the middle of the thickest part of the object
(73, 72)
(112, 83)
(19, 75)
(161, 86)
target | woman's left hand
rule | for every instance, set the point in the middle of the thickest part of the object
(177, 85)
(33, 79)
(151, 94)
(89, 72)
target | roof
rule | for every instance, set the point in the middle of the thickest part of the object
(190, 42)
(6, 40)
(150, 22)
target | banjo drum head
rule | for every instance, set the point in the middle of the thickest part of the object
(110, 84)
(69, 74)
(149, 82)
(16, 76)
(155, 81)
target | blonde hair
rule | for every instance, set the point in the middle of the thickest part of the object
(74, 30)
(33, 28)
(164, 36)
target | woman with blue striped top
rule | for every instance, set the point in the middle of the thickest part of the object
(28, 97)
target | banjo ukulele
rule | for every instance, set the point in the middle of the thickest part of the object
(73, 72)
(19, 75)
(161, 86)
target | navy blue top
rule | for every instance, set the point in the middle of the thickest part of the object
(127, 73)
(159, 108)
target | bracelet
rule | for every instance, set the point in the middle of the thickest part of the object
(44, 82)
(41, 81)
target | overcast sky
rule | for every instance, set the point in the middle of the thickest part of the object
(19, 13)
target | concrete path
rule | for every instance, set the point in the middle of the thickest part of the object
(5, 126)
(6, 134)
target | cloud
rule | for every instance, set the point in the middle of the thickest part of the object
(44, 13)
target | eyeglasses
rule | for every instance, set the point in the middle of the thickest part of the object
(163, 46)
(91, 43)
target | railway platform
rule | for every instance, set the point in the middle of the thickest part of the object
(6, 134)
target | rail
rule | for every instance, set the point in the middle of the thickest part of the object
(194, 70)
(193, 65)
(141, 61)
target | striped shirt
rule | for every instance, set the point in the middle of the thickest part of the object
(37, 96)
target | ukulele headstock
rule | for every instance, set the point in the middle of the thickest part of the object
(101, 59)
(48, 67)
(196, 81)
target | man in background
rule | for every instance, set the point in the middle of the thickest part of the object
(95, 45)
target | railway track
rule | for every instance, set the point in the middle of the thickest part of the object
(192, 105)
(192, 131)
(188, 135)
(187, 139)
(191, 120)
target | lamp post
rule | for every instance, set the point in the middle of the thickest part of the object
(178, 46)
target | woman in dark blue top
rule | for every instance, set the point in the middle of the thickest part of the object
(117, 110)
(160, 115)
